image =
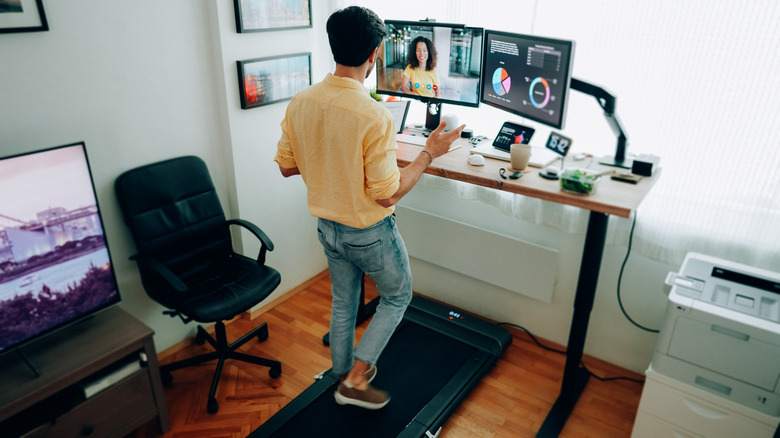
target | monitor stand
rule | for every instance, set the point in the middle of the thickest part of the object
(607, 101)
(432, 115)
(609, 160)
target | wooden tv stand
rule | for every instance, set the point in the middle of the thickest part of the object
(53, 403)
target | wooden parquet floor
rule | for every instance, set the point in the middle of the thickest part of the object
(511, 401)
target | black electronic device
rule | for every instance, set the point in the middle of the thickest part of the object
(432, 62)
(645, 164)
(558, 143)
(513, 174)
(512, 133)
(527, 75)
(55, 268)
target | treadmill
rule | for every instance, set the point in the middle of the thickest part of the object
(433, 360)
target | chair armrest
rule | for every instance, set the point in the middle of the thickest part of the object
(266, 244)
(161, 270)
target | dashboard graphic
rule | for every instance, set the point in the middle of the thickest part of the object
(544, 90)
(501, 81)
(530, 75)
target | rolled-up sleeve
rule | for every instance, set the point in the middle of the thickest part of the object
(381, 168)
(284, 154)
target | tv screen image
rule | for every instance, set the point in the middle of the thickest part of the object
(451, 57)
(527, 75)
(55, 268)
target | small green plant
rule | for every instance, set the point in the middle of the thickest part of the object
(577, 181)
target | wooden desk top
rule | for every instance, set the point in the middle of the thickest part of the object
(611, 197)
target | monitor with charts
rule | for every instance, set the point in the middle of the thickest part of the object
(527, 75)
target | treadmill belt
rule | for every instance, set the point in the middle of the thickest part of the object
(416, 364)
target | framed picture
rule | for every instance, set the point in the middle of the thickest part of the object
(263, 81)
(265, 15)
(22, 16)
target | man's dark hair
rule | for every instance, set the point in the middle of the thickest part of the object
(354, 32)
(411, 57)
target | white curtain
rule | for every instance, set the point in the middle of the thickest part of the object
(697, 84)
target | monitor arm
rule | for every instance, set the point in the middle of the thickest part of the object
(607, 103)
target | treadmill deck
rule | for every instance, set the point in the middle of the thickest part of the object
(433, 360)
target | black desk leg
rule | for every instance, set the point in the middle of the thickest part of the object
(365, 310)
(575, 378)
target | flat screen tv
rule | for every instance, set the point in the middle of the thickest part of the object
(55, 268)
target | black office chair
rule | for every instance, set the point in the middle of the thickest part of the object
(186, 259)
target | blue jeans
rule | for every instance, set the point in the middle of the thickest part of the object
(380, 252)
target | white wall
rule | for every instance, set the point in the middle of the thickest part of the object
(143, 81)
(136, 82)
(276, 204)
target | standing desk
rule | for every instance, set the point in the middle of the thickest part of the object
(610, 198)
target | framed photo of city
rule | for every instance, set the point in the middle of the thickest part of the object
(265, 15)
(55, 268)
(22, 16)
(263, 81)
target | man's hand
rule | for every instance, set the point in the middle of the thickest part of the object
(439, 142)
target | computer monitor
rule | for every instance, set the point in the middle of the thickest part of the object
(432, 62)
(527, 75)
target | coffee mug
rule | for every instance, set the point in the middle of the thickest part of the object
(519, 154)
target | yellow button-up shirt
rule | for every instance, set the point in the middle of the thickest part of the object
(343, 143)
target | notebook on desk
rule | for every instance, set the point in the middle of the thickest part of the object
(540, 157)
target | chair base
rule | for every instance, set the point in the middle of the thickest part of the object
(222, 352)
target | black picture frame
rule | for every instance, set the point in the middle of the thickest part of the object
(263, 81)
(268, 15)
(22, 16)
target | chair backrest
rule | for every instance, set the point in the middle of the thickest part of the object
(174, 214)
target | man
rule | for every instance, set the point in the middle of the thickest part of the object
(343, 145)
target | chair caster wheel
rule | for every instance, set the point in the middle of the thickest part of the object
(200, 338)
(262, 335)
(275, 372)
(166, 377)
(212, 406)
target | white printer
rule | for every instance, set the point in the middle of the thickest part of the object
(722, 331)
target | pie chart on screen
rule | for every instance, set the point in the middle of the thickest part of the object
(501, 81)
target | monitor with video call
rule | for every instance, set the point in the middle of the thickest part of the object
(432, 62)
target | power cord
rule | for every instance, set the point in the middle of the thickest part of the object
(622, 309)
(563, 352)
(533, 338)
(620, 280)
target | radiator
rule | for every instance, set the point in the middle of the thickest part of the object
(504, 261)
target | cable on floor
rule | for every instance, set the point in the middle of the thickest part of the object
(563, 352)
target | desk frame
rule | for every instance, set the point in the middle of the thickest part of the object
(611, 197)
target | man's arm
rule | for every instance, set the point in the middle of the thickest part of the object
(287, 172)
(438, 144)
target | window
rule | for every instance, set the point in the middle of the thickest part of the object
(696, 84)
